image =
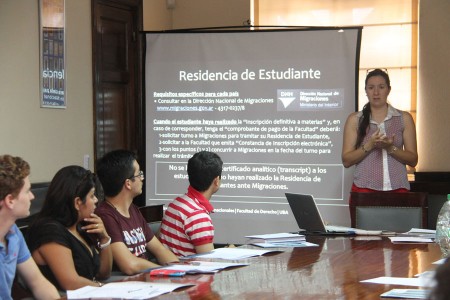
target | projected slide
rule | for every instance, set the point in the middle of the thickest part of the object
(272, 104)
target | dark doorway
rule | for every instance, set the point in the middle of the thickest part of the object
(117, 72)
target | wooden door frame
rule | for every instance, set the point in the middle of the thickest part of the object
(138, 129)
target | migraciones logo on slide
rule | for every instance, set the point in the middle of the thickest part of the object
(310, 99)
(286, 97)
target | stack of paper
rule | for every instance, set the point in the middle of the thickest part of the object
(193, 267)
(299, 244)
(357, 231)
(406, 293)
(125, 290)
(233, 253)
(279, 240)
(275, 238)
(419, 232)
(410, 240)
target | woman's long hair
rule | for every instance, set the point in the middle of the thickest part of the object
(364, 121)
(68, 183)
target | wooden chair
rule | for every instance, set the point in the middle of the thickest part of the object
(398, 212)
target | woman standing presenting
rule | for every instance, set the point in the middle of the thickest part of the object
(380, 140)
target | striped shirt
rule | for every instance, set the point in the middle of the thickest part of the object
(187, 223)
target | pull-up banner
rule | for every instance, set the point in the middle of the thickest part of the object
(272, 104)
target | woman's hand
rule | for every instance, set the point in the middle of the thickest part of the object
(96, 226)
(376, 140)
(384, 142)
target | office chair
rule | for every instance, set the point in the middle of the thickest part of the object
(398, 212)
(39, 191)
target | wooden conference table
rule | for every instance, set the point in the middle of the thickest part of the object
(331, 271)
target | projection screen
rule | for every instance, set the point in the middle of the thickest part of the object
(271, 103)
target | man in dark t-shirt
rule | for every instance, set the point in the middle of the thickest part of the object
(131, 238)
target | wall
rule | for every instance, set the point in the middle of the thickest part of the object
(433, 105)
(50, 139)
(210, 13)
(47, 138)
(156, 15)
(195, 14)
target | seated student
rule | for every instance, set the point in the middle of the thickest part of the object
(67, 240)
(132, 238)
(187, 228)
(15, 201)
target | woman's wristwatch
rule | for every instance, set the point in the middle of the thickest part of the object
(392, 149)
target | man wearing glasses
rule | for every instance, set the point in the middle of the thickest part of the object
(131, 238)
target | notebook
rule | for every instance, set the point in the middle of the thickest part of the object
(309, 219)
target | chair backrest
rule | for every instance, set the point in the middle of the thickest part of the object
(39, 191)
(153, 214)
(389, 211)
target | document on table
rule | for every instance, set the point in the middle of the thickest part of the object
(406, 293)
(357, 231)
(125, 290)
(234, 253)
(418, 281)
(439, 262)
(275, 237)
(285, 245)
(410, 239)
(419, 232)
(195, 267)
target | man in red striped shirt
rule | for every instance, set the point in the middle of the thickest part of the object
(186, 227)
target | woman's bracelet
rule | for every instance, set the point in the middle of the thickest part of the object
(103, 246)
(364, 149)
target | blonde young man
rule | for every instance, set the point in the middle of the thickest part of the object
(15, 201)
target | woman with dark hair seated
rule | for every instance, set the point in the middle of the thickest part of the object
(67, 240)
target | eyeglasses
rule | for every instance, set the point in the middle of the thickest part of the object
(140, 175)
(382, 69)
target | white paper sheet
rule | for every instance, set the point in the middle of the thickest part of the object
(234, 253)
(418, 281)
(124, 290)
(439, 262)
(406, 294)
(410, 239)
(285, 245)
(194, 267)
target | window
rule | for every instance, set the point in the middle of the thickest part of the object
(389, 38)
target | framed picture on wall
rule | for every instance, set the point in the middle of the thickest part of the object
(52, 53)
